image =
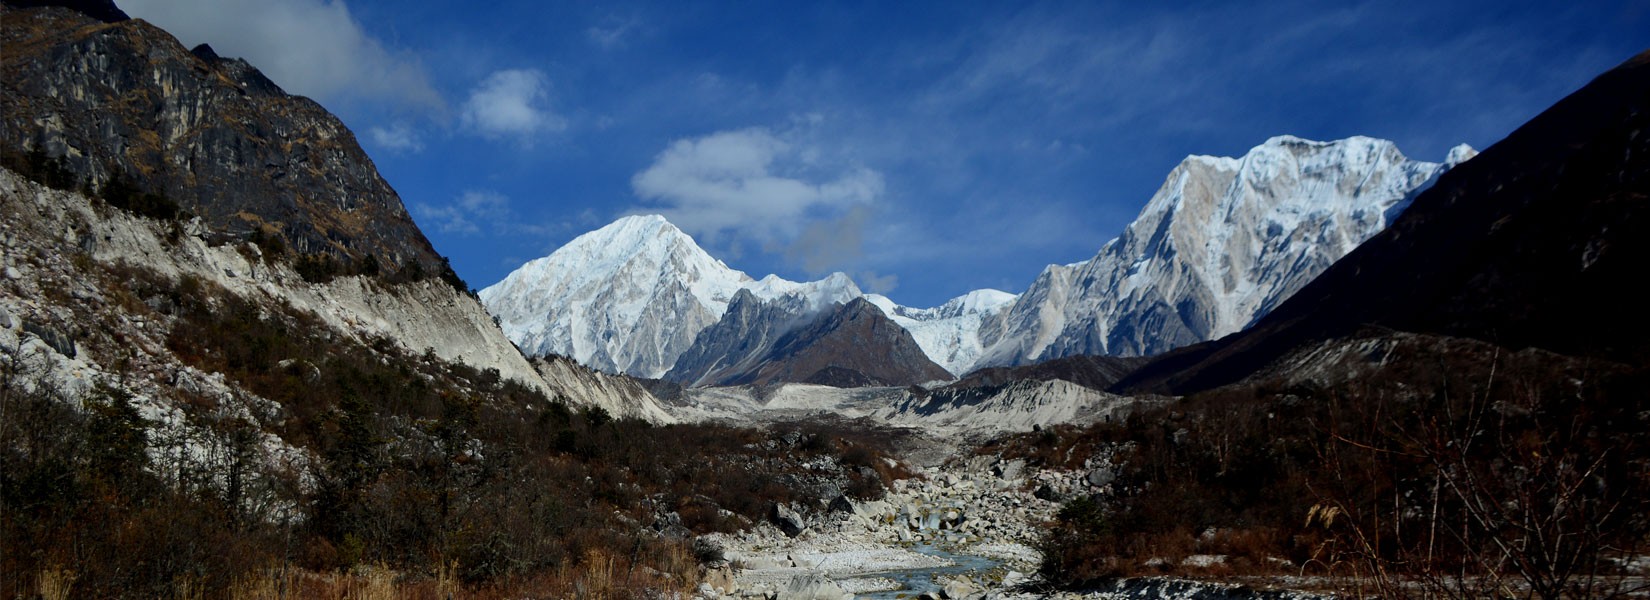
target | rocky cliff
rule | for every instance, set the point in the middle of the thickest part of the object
(122, 103)
(274, 191)
(739, 341)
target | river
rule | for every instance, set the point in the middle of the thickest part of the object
(916, 581)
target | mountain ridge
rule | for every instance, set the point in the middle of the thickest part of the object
(1526, 245)
(1222, 242)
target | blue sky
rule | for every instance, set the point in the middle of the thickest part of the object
(924, 148)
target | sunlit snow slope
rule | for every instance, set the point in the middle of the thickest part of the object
(631, 296)
(1221, 243)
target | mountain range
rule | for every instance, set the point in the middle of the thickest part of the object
(1223, 242)
(231, 365)
(1536, 243)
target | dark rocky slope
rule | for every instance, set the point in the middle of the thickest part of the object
(738, 341)
(850, 345)
(120, 99)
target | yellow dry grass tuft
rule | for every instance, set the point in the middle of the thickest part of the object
(56, 583)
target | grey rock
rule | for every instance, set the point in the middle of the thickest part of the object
(1044, 492)
(958, 589)
(54, 337)
(1100, 477)
(1009, 470)
(788, 521)
(812, 587)
(222, 141)
(841, 504)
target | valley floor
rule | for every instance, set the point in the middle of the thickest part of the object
(963, 528)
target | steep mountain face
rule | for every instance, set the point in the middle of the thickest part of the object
(949, 333)
(738, 343)
(631, 297)
(1223, 242)
(123, 103)
(851, 345)
(1538, 242)
(125, 99)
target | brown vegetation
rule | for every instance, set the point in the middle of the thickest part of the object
(415, 477)
(1442, 474)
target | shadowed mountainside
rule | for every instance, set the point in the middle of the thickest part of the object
(1539, 242)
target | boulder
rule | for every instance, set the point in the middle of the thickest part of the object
(958, 588)
(55, 338)
(1010, 470)
(1100, 477)
(812, 587)
(789, 521)
(841, 504)
(1044, 492)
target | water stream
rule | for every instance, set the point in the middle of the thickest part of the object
(919, 580)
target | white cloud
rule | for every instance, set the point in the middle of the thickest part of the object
(399, 137)
(829, 244)
(308, 47)
(878, 284)
(511, 103)
(462, 214)
(751, 184)
(482, 212)
(612, 32)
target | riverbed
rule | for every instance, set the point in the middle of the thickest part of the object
(915, 581)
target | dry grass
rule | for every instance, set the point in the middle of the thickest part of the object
(56, 583)
(597, 582)
(271, 584)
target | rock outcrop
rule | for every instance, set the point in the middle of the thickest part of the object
(121, 102)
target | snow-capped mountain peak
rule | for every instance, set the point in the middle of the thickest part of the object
(631, 296)
(948, 333)
(1222, 242)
